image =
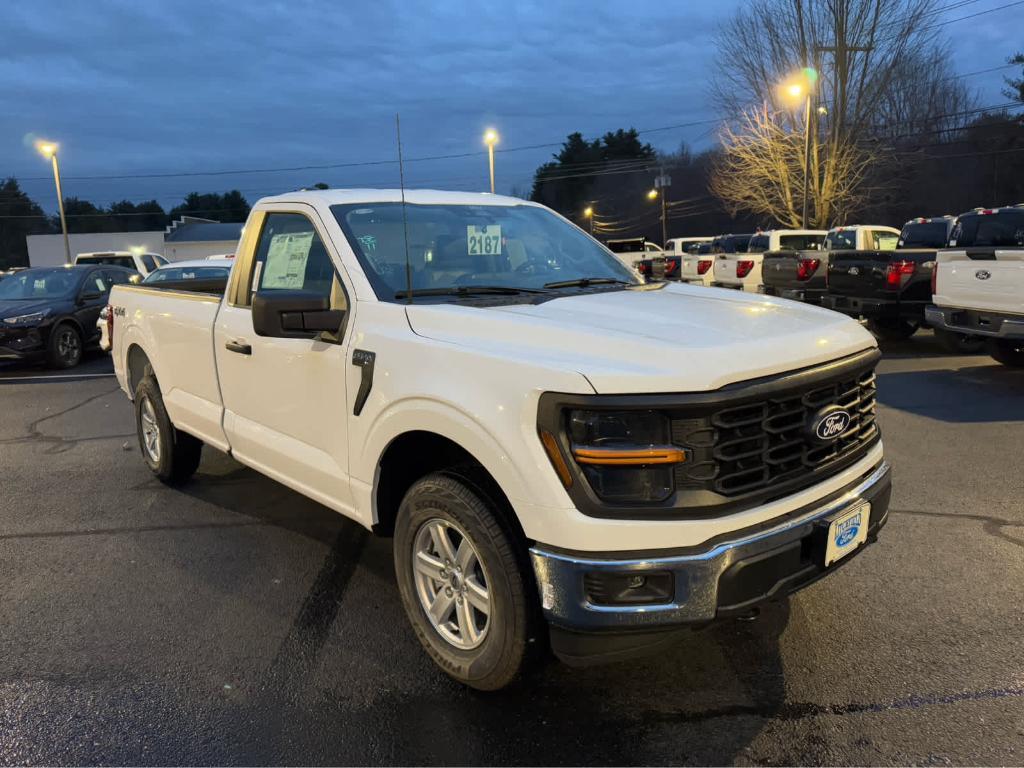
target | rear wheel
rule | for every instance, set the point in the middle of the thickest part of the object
(172, 455)
(1009, 352)
(64, 349)
(959, 343)
(892, 329)
(461, 583)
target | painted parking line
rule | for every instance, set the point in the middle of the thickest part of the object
(19, 379)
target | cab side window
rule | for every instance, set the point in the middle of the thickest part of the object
(290, 256)
(148, 262)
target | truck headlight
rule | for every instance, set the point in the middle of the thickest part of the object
(626, 456)
(23, 320)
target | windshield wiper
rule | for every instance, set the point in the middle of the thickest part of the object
(467, 290)
(583, 282)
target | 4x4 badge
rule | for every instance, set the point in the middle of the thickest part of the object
(983, 274)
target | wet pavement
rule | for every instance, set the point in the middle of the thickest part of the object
(233, 621)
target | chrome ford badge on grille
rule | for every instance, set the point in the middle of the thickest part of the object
(828, 424)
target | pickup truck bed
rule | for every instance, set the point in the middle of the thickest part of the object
(889, 288)
(798, 275)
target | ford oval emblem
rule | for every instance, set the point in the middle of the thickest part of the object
(983, 274)
(829, 423)
(847, 531)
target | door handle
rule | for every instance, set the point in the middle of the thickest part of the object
(239, 346)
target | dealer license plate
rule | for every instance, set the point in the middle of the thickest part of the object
(847, 532)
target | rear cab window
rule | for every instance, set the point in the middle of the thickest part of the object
(1004, 229)
(924, 234)
(148, 262)
(759, 244)
(800, 242)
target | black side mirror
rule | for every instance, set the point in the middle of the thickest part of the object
(294, 314)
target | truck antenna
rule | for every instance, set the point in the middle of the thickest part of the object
(405, 222)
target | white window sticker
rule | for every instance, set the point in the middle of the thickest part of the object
(483, 241)
(286, 261)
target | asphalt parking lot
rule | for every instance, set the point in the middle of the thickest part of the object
(233, 621)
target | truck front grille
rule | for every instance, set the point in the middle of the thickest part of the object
(757, 446)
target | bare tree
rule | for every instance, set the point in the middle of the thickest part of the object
(761, 170)
(881, 74)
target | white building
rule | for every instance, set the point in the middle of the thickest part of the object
(187, 238)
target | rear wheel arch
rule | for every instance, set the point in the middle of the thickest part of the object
(137, 366)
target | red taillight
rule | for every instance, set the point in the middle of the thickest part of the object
(671, 265)
(644, 267)
(703, 265)
(743, 267)
(807, 267)
(898, 273)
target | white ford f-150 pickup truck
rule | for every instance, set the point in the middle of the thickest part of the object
(978, 282)
(480, 379)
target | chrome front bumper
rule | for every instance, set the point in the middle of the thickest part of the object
(742, 560)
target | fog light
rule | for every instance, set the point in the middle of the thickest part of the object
(650, 588)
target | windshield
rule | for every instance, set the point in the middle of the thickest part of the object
(800, 242)
(1001, 230)
(626, 246)
(460, 246)
(187, 273)
(930, 234)
(40, 284)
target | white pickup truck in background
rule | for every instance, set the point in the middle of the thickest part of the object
(862, 237)
(742, 271)
(141, 261)
(478, 378)
(978, 282)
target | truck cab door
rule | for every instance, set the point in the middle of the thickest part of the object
(285, 398)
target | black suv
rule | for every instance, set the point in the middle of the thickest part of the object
(50, 313)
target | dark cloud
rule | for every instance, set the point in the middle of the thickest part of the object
(189, 85)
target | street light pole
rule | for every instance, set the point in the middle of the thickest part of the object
(807, 154)
(490, 139)
(48, 149)
(661, 184)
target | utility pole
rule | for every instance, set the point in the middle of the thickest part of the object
(661, 183)
(841, 53)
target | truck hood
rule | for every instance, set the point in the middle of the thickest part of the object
(677, 339)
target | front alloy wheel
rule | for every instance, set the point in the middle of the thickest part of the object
(451, 584)
(465, 579)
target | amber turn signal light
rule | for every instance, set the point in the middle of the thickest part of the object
(551, 448)
(633, 457)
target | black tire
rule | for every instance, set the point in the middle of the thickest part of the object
(959, 343)
(64, 348)
(463, 508)
(892, 329)
(1006, 351)
(172, 455)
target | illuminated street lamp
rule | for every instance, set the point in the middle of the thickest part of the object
(652, 194)
(48, 149)
(588, 214)
(801, 88)
(490, 139)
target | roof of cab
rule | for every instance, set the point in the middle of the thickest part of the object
(412, 197)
